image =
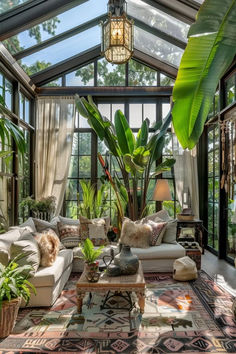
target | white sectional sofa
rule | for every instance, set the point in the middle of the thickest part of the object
(49, 281)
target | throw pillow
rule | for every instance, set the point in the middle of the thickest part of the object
(69, 234)
(162, 214)
(68, 221)
(170, 232)
(49, 245)
(42, 225)
(27, 246)
(95, 229)
(4, 252)
(135, 234)
(158, 230)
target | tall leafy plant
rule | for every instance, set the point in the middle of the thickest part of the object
(135, 156)
(210, 51)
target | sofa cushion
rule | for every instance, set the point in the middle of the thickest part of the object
(161, 214)
(64, 220)
(27, 246)
(170, 232)
(165, 251)
(12, 235)
(48, 276)
(29, 222)
(69, 234)
(158, 230)
(4, 252)
(42, 225)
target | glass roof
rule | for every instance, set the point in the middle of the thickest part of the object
(156, 47)
(64, 49)
(6, 5)
(157, 19)
(56, 25)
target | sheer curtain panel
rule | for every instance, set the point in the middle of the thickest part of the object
(55, 121)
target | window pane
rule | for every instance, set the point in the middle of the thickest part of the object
(56, 25)
(71, 210)
(54, 83)
(165, 109)
(158, 19)
(73, 170)
(72, 189)
(156, 47)
(61, 50)
(105, 109)
(135, 115)
(6, 5)
(141, 75)
(81, 77)
(149, 111)
(84, 143)
(27, 117)
(21, 106)
(85, 166)
(110, 74)
(230, 89)
(8, 94)
(166, 80)
(83, 122)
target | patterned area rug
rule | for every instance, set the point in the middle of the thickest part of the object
(180, 317)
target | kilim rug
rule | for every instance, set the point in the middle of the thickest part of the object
(180, 317)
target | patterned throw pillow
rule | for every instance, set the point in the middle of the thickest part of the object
(95, 229)
(158, 230)
(69, 234)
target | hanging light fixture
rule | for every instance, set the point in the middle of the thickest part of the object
(117, 33)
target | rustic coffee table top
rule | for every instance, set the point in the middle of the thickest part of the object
(123, 282)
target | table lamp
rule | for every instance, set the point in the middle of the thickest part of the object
(161, 191)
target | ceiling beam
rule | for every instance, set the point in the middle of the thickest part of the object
(158, 33)
(74, 62)
(31, 13)
(175, 9)
(164, 91)
(156, 63)
(60, 37)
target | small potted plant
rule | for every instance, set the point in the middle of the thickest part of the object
(14, 287)
(90, 254)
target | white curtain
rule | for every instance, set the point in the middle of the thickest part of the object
(55, 121)
(186, 176)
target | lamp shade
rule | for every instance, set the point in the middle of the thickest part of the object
(162, 191)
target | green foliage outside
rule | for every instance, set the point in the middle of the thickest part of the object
(13, 281)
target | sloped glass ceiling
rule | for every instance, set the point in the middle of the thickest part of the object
(6, 5)
(56, 25)
(157, 19)
(61, 50)
(156, 47)
(77, 43)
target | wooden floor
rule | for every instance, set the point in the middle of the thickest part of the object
(223, 273)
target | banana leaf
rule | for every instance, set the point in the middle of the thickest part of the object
(142, 136)
(124, 134)
(163, 167)
(209, 52)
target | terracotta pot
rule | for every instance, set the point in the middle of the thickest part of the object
(8, 315)
(91, 271)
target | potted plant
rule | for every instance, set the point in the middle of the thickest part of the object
(90, 254)
(43, 208)
(14, 287)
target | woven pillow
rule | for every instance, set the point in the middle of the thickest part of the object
(158, 230)
(95, 229)
(69, 234)
(135, 234)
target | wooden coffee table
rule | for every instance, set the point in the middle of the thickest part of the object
(123, 284)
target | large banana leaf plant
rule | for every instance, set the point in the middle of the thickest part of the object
(210, 51)
(135, 156)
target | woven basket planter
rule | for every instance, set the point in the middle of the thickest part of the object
(8, 315)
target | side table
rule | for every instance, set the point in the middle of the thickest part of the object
(198, 227)
(193, 251)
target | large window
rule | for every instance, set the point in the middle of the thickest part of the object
(213, 186)
(85, 165)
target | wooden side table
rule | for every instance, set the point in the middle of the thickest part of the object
(198, 227)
